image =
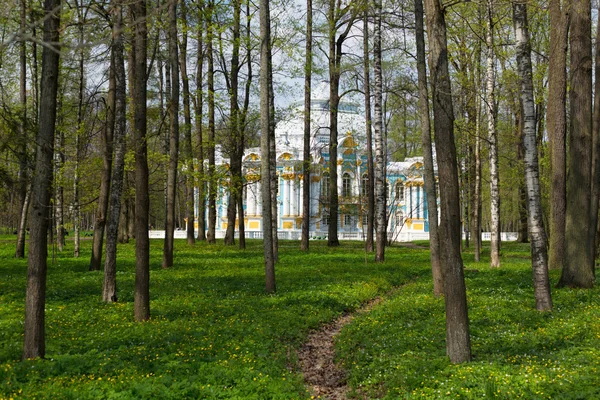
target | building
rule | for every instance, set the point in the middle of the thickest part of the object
(407, 206)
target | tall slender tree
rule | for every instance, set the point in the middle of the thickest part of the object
(578, 270)
(539, 255)
(306, 156)
(369, 134)
(199, 107)
(493, 142)
(34, 345)
(428, 168)
(142, 243)
(22, 149)
(557, 128)
(187, 129)
(458, 342)
(211, 176)
(380, 182)
(265, 121)
(109, 289)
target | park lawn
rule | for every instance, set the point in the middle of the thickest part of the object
(214, 333)
(397, 350)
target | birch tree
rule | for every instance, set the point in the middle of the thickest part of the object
(539, 255)
(380, 197)
(493, 143)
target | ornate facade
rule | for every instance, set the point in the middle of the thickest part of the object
(407, 206)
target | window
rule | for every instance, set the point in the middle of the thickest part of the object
(364, 188)
(365, 220)
(399, 195)
(325, 219)
(325, 185)
(346, 185)
(399, 219)
(348, 220)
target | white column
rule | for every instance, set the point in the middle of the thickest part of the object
(294, 184)
(257, 199)
(286, 197)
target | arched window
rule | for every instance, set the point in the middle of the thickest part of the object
(346, 185)
(399, 194)
(399, 219)
(364, 187)
(325, 185)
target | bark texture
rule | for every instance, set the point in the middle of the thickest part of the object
(428, 171)
(557, 129)
(578, 269)
(109, 288)
(458, 343)
(304, 243)
(34, 344)
(539, 255)
(141, 304)
(265, 121)
(380, 192)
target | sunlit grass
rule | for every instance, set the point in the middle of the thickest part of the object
(398, 350)
(214, 333)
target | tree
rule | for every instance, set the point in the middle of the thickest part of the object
(142, 243)
(578, 270)
(458, 343)
(173, 137)
(380, 183)
(428, 169)
(539, 255)
(24, 192)
(109, 290)
(187, 129)
(35, 299)
(337, 17)
(306, 161)
(369, 135)
(211, 176)
(493, 141)
(265, 122)
(557, 129)
(198, 106)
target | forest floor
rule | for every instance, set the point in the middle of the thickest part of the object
(215, 334)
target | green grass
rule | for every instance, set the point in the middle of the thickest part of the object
(214, 333)
(397, 351)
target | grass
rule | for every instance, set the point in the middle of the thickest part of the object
(214, 333)
(397, 351)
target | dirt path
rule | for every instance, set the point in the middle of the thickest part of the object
(321, 375)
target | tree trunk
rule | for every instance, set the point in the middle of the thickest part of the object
(34, 344)
(428, 168)
(199, 105)
(173, 138)
(78, 133)
(595, 185)
(59, 161)
(109, 290)
(236, 143)
(493, 142)
(265, 121)
(557, 130)
(187, 132)
(369, 245)
(458, 344)
(539, 255)
(212, 184)
(578, 270)
(107, 150)
(23, 139)
(307, 159)
(380, 198)
(142, 243)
